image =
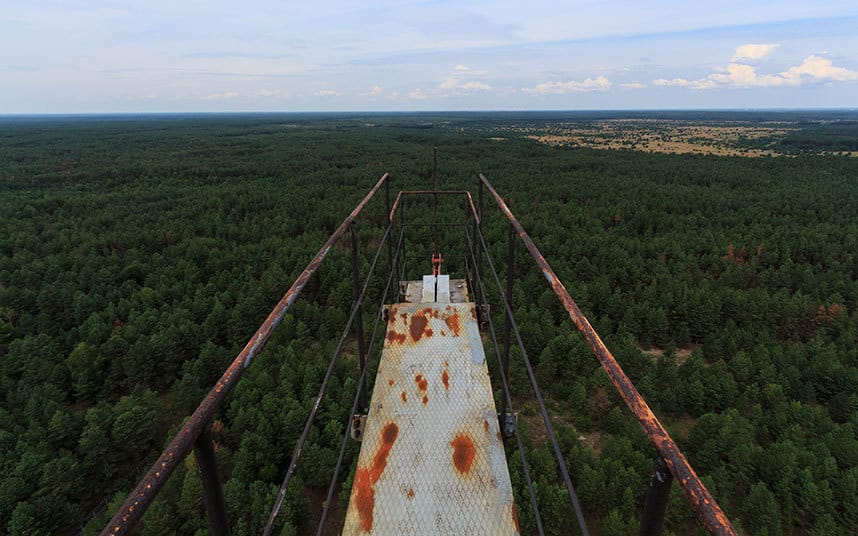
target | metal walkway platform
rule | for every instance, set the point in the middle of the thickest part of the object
(432, 460)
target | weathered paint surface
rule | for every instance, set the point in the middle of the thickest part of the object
(445, 471)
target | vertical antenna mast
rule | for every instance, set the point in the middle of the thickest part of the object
(436, 257)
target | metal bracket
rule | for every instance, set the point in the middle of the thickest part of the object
(357, 427)
(483, 312)
(507, 424)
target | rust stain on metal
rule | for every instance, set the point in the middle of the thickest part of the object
(390, 382)
(486, 425)
(418, 325)
(463, 452)
(428, 311)
(410, 493)
(445, 379)
(365, 478)
(452, 322)
(404, 397)
(515, 518)
(394, 337)
(423, 386)
(698, 496)
(422, 383)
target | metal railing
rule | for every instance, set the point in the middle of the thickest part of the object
(695, 491)
(192, 434)
(195, 432)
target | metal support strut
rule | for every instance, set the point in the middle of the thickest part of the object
(701, 500)
(656, 498)
(212, 490)
(359, 318)
(510, 267)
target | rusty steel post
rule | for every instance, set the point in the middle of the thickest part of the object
(657, 495)
(698, 496)
(139, 500)
(359, 314)
(212, 490)
(389, 223)
(404, 237)
(466, 265)
(478, 223)
(507, 325)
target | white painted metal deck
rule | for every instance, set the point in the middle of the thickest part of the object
(432, 460)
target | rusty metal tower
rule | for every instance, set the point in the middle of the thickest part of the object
(432, 457)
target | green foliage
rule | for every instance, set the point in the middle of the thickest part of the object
(138, 255)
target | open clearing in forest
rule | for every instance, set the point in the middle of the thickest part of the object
(667, 136)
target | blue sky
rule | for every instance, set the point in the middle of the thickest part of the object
(94, 56)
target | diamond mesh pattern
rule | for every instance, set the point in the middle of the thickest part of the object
(431, 460)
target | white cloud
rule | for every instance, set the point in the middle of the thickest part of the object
(418, 94)
(753, 51)
(600, 83)
(221, 96)
(328, 93)
(680, 82)
(813, 69)
(633, 85)
(817, 67)
(376, 91)
(449, 83)
(459, 82)
(474, 86)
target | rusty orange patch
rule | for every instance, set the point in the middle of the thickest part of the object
(428, 332)
(410, 493)
(486, 425)
(395, 337)
(365, 478)
(404, 398)
(418, 324)
(445, 378)
(390, 382)
(463, 452)
(515, 518)
(422, 383)
(452, 322)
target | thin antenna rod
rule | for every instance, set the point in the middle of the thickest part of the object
(435, 270)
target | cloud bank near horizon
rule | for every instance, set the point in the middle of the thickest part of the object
(105, 55)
